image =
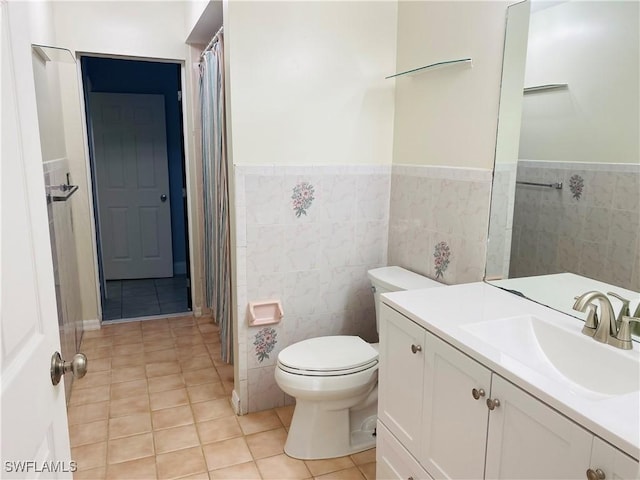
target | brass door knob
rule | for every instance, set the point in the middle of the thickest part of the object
(493, 403)
(596, 474)
(78, 366)
(416, 348)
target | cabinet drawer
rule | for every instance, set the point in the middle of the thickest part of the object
(393, 462)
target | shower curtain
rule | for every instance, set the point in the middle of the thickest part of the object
(216, 193)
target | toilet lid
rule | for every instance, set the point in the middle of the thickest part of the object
(329, 355)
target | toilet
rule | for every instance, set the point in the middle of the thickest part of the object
(334, 380)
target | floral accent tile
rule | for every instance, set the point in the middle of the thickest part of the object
(265, 341)
(576, 184)
(302, 198)
(441, 256)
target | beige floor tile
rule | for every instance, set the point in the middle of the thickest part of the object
(267, 444)
(129, 406)
(101, 364)
(141, 469)
(367, 456)
(168, 382)
(181, 463)
(184, 321)
(206, 391)
(185, 331)
(126, 328)
(285, 414)
(90, 412)
(176, 438)
(133, 388)
(127, 374)
(93, 379)
(92, 474)
(86, 433)
(129, 349)
(168, 399)
(127, 339)
(197, 377)
(96, 342)
(226, 453)
(90, 456)
(259, 422)
(129, 425)
(197, 476)
(97, 353)
(150, 325)
(158, 344)
(130, 448)
(196, 363)
(172, 417)
(156, 356)
(226, 373)
(321, 467)
(127, 360)
(186, 351)
(161, 369)
(242, 471)
(348, 474)
(219, 429)
(368, 470)
(211, 409)
(282, 467)
(80, 396)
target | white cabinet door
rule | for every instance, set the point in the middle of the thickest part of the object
(528, 439)
(455, 423)
(613, 463)
(401, 376)
(393, 462)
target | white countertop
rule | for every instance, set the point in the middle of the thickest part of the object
(444, 311)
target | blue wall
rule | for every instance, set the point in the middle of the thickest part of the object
(128, 76)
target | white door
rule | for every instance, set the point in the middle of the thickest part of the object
(33, 414)
(132, 174)
(528, 439)
(612, 462)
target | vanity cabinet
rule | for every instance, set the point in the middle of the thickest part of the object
(442, 414)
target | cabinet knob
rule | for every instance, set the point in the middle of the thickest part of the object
(477, 393)
(416, 348)
(596, 474)
(493, 403)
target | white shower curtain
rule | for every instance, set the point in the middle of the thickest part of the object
(216, 193)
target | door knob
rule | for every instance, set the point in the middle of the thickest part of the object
(477, 393)
(596, 474)
(493, 403)
(163, 198)
(78, 366)
(416, 348)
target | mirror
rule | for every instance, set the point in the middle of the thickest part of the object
(565, 210)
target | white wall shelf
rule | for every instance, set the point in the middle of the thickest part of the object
(433, 66)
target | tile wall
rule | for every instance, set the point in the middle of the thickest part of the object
(305, 236)
(591, 227)
(438, 221)
(501, 220)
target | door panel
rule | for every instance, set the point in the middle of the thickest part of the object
(33, 414)
(132, 175)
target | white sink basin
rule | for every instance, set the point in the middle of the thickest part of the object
(553, 350)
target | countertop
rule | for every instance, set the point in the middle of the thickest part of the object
(443, 312)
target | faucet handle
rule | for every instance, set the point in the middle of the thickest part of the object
(591, 322)
(624, 311)
(624, 334)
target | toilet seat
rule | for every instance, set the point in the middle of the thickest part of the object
(328, 356)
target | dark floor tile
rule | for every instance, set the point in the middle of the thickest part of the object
(171, 294)
(114, 289)
(177, 281)
(174, 307)
(139, 291)
(140, 301)
(132, 311)
(112, 314)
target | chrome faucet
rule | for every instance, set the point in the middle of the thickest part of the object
(606, 326)
(606, 329)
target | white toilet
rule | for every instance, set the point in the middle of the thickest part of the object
(335, 382)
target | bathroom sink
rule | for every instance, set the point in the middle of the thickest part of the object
(555, 351)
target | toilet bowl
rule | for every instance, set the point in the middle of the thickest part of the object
(334, 380)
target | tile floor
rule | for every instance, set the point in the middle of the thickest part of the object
(155, 404)
(145, 297)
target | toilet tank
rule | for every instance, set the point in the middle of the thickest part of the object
(394, 279)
